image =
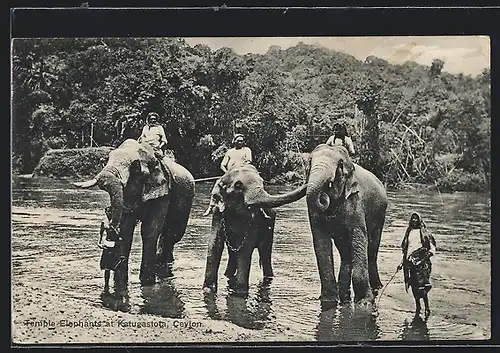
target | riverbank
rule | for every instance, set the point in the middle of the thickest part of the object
(79, 163)
(72, 163)
(279, 181)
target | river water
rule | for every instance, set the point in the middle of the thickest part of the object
(55, 228)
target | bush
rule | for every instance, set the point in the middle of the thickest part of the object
(460, 180)
(288, 178)
(72, 163)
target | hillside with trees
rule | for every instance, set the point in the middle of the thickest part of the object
(410, 123)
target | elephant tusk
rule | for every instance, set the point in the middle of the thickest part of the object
(85, 184)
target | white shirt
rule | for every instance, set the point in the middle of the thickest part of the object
(414, 242)
(235, 158)
(332, 141)
(154, 135)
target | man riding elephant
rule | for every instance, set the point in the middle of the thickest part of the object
(154, 135)
(238, 156)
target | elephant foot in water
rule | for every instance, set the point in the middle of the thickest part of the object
(120, 288)
(120, 279)
(344, 292)
(164, 271)
(147, 278)
(150, 281)
(365, 302)
(329, 300)
(376, 287)
(240, 293)
(345, 298)
(229, 273)
(237, 289)
(328, 303)
(209, 290)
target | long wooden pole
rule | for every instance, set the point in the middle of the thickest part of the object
(91, 133)
(207, 179)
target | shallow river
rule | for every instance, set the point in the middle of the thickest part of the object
(55, 229)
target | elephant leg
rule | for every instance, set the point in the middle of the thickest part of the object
(164, 256)
(173, 231)
(127, 227)
(106, 280)
(360, 281)
(231, 264)
(344, 245)
(151, 227)
(244, 260)
(373, 248)
(322, 243)
(265, 248)
(214, 253)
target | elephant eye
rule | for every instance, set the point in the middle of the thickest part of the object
(238, 184)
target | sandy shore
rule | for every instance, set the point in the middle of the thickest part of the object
(41, 316)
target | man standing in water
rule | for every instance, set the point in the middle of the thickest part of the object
(417, 250)
(234, 158)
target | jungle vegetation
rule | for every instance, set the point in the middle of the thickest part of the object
(410, 123)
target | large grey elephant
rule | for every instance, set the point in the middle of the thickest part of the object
(347, 203)
(160, 195)
(239, 221)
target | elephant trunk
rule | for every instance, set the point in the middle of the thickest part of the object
(265, 200)
(110, 183)
(317, 199)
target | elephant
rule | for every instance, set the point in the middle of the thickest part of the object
(244, 219)
(159, 194)
(348, 204)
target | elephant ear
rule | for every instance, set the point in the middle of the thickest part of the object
(308, 168)
(351, 185)
(158, 180)
(217, 196)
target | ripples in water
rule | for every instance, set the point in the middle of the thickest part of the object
(55, 228)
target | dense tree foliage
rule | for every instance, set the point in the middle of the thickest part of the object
(409, 123)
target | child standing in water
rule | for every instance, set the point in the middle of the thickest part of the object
(111, 254)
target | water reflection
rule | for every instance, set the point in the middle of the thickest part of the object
(248, 312)
(210, 300)
(162, 299)
(116, 301)
(45, 212)
(415, 330)
(348, 322)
